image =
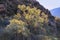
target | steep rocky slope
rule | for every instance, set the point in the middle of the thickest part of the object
(58, 26)
(26, 20)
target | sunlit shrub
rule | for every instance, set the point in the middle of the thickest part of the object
(17, 26)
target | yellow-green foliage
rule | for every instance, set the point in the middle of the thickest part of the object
(33, 14)
(18, 16)
(17, 26)
(31, 17)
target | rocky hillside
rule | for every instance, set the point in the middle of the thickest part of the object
(26, 20)
(58, 26)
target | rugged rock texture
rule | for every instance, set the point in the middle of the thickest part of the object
(27, 20)
(58, 26)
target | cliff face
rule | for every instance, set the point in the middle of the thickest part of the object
(26, 20)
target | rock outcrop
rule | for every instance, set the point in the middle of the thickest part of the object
(27, 20)
(58, 26)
